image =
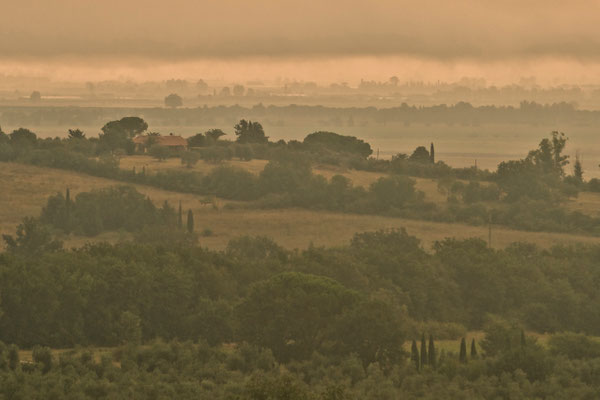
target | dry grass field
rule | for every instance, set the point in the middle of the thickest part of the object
(153, 165)
(25, 190)
(587, 203)
(359, 178)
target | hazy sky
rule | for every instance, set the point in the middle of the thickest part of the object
(332, 39)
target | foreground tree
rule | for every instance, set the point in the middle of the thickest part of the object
(293, 314)
(32, 238)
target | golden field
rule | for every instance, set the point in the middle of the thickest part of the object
(25, 190)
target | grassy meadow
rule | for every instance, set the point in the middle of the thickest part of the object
(26, 188)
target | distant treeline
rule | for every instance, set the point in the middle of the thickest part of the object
(523, 194)
(459, 113)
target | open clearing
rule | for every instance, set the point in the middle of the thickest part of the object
(25, 190)
(358, 178)
(586, 202)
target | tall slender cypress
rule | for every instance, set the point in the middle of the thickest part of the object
(432, 355)
(13, 357)
(190, 222)
(523, 340)
(432, 154)
(67, 222)
(423, 351)
(414, 354)
(180, 216)
(473, 349)
(463, 351)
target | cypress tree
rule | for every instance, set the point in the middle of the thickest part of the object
(578, 169)
(414, 354)
(423, 351)
(473, 349)
(432, 359)
(67, 222)
(13, 357)
(190, 222)
(432, 153)
(463, 351)
(134, 170)
(143, 170)
(180, 217)
(523, 340)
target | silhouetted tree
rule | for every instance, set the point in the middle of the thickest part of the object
(190, 222)
(42, 356)
(420, 155)
(432, 153)
(32, 238)
(432, 353)
(424, 359)
(133, 125)
(238, 90)
(198, 140)
(13, 357)
(180, 216)
(76, 134)
(578, 170)
(463, 351)
(173, 101)
(23, 138)
(548, 156)
(414, 354)
(473, 349)
(35, 96)
(201, 86)
(117, 134)
(68, 210)
(214, 134)
(250, 132)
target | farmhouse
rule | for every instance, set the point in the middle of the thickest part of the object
(171, 141)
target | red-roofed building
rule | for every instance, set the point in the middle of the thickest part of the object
(173, 142)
